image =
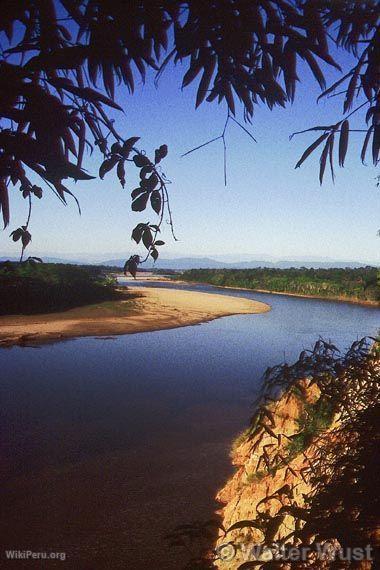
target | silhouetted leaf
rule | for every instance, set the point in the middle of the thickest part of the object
(4, 202)
(137, 191)
(139, 204)
(160, 153)
(141, 160)
(25, 238)
(138, 232)
(310, 149)
(131, 265)
(37, 191)
(376, 144)
(150, 183)
(107, 165)
(204, 83)
(16, 234)
(343, 141)
(365, 143)
(128, 145)
(147, 238)
(323, 159)
(121, 172)
(156, 201)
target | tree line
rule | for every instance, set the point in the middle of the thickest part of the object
(361, 284)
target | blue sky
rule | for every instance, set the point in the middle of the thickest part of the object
(268, 208)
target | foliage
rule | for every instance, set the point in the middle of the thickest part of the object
(316, 418)
(43, 287)
(66, 57)
(342, 468)
(361, 284)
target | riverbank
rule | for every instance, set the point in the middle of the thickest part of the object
(336, 299)
(147, 309)
(353, 300)
(295, 463)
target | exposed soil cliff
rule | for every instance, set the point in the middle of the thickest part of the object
(306, 469)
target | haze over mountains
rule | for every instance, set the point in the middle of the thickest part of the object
(228, 261)
(183, 263)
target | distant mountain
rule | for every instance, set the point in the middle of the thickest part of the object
(182, 263)
(48, 260)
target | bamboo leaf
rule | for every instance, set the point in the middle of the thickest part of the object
(365, 144)
(310, 149)
(343, 141)
(323, 160)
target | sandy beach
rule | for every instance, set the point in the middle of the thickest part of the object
(149, 310)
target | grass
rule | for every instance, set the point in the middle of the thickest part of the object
(315, 419)
(239, 440)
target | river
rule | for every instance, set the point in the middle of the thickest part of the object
(107, 444)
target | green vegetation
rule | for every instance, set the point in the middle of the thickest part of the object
(315, 419)
(361, 284)
(241, 438)
(45, 287)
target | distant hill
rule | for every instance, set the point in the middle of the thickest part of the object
(183, 263)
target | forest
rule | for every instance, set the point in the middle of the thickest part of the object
(29, 288)
(361, 284)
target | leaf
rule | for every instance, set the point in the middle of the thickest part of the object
(4, 202)
(16, 234)
(160, 153)
(376, 144)
(116, 148)
(147, 238)
(343, 141)
(314, 67)
(335, 85)
(371, 111)
(83, 92)
(137, 233)
(250, 564)
(204, 83)
(128, 146)
(150, 183)
(120, 171)
(136, 192)
(145, 171)
(154, 254)
(156, 201)
(37, 191)
(159, 242)
(244, 524)
(351, 91)
(331, 154)
(192, 72)
(107, 165)
(25, 238)
(139, 204)
(311, 148)
(131, 266)
(141, 160)
(323, 160)
(365, 143)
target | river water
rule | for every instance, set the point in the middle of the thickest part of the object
(107, 444)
